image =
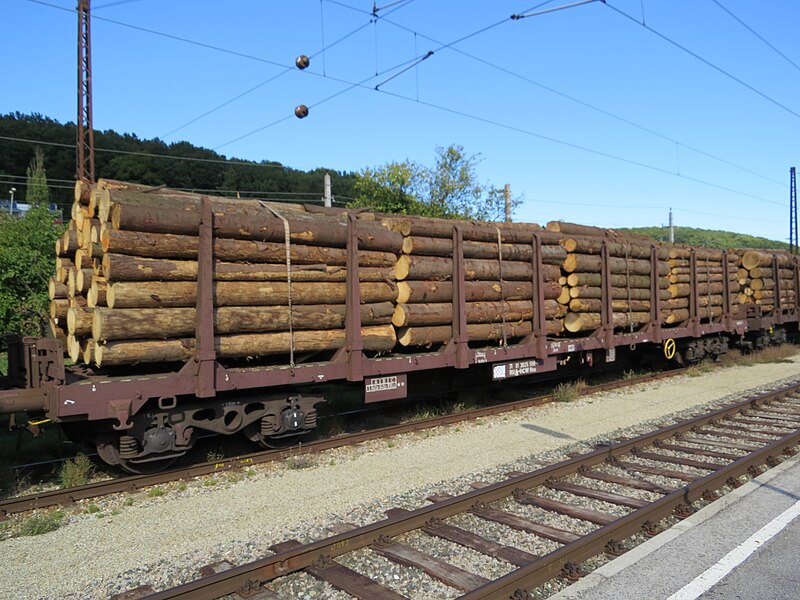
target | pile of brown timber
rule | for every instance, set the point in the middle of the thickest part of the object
(498, 272)
(710, 274)
(630, 263)
(128, 263)
(760, 283)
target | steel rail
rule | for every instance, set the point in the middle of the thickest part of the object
(134, 483)
(247, 578)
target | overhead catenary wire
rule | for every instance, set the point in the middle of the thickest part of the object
(759, 36)
(705, 61)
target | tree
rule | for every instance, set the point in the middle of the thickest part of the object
(36, 192)
(449, 189)
(26, 264)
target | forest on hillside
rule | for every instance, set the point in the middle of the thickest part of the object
(113, 160)
(709, 238)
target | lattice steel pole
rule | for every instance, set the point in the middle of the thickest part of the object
(84, 143)
(793, 241)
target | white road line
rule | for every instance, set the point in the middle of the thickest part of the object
(706, 580)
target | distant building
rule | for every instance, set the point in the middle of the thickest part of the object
(18, 209)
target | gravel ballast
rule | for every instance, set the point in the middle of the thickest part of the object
(163, 540)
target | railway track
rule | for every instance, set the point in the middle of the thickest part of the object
(132, 483)
(632, 483)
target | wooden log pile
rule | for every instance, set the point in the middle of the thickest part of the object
(498, 271)
(125, 288)
(761, 284)
(125, 284)
(630, 265)
(710, 275)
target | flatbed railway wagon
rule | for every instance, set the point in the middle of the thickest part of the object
(185, 313)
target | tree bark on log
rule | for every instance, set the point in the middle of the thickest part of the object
(410, 315)
(616, 293)
(596, 279)
(678, 290)
(438, 267)
(428, 246)
(586, 321)
(379, 339)
(753, 258)
(153, 294)
(510, 233)
(161, 323)
(680, 315)
(172, 246)
(595, 305)
(122, 267)
(79, 322)
(97, 292)
(616, 249)
(593, 264)
(56, 289)
(426, 336)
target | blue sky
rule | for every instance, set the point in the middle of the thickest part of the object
(559, 105)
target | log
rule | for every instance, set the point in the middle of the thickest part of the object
(56, 289)
(678, 290)
(595, 305)
(587, 321)
(762, 284)
(411, 292)
(593, 264)
(701, 278)
(616, 293)
(429, 246)
(377, 339)
(511, 233)
(438, 267)
(680, 315)
(617, 249)
(69, 242)
(763, 272)
(243, 219)
(58, 310)
(87, 351)
(73, 348)
(97, 292)
(122, 267)
(161, 323)
(409, 315)
(617, 280)
(754, 258)
(153, 294)
(79, 322)
(426, 336)
(154, 245)
(83, 280)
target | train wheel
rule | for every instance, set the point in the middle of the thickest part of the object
(108, 446)
(274, 442)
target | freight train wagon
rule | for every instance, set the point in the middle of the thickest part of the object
(183, 313)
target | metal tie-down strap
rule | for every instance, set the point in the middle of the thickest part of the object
(502, 295)
(287, 246)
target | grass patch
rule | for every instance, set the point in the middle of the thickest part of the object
(92, 508)
(300, 461)
(568, 391)
(209, 482)
(44, 523)
(155, 492)
(129, 501)
(75, 472)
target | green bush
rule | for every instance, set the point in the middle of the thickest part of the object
(39, 524)
(26, 265)
(75, 472)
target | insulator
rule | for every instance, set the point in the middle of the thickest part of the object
(301, 112)
(302, 62)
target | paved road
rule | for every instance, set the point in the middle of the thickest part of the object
(711, 542)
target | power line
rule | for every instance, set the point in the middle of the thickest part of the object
(583, 103)
(703, 60)
(149, 154)
(755, 33)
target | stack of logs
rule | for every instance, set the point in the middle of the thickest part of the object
(710, 274)
(630, 263)
(125, 287)
(498, 273)
(760, 283)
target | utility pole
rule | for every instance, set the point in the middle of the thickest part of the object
(671, 228)
(84, 143)
(507, 196)
(327, 200)
(793, 241)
